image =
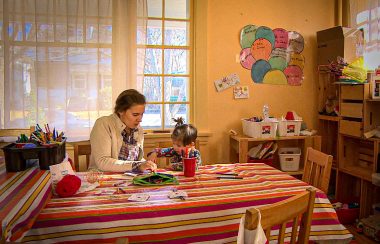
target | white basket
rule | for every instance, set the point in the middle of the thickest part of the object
(289, 127)
(289, 158)
(259, 129)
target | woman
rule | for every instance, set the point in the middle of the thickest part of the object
(117, 140)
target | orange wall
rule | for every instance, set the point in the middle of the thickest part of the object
(218, 112)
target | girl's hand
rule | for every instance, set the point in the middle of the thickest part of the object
(148, 165)
(152, 157)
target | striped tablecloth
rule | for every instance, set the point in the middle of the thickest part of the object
(22, 197)
(210, 214)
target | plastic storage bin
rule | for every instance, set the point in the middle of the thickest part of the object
(15, 158)
(289, 127)
(289, 158)
(259, 129)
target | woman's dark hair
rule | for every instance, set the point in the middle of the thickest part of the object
(185, 133)
(128, 98)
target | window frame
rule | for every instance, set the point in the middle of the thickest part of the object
(162, 75)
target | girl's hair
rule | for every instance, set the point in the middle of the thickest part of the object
(185, 133)
(127, 99)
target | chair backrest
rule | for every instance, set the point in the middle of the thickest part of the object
(16, 132)
(82, 148)
(317, 169)
(283, 212)
(165, 162)
(13, 133)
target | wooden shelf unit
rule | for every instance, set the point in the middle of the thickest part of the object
(356, 157)
(240, 145)
(328, 127)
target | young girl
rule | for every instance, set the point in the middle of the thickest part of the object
(183, 137)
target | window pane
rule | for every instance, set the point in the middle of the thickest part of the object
(154, 32)
(30, 29)
(45, 29)
(23, 100)
(176, 89)
(176, 61)
(105, 73)
(152, 89)
(140, 32)
(176, 33)
(61, 29)
(15, 30)
(152, 116)
(75, 30)
(105, 31)
(154, 8)
(153, 61)
(178, 9)
(92, 30)
(175, 111)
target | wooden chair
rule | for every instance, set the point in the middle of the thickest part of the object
(165, 161)
(283, 212)
(317, 169)
(82, 148)
(13, 133)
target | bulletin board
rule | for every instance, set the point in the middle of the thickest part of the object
(272, 56)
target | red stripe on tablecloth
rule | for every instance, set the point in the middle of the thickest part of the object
(102, 216)
(18, 189)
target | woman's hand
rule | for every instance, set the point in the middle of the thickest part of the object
(148, 165)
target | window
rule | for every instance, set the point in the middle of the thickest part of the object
(166, 75)
(56, 62)
(57, 59)
(366, 15)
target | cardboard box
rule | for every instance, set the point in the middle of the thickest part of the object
(339, 41)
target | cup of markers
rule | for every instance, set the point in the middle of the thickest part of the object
(189, 163)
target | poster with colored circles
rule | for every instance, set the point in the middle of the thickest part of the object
(272, 55)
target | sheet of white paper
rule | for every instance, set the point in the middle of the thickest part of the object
(139, 197)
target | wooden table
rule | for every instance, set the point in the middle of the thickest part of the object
(211, 213)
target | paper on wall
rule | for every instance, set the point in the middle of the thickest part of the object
(226, 82)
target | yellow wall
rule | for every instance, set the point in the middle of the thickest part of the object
(218, 24)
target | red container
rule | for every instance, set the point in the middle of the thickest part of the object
(268, 161)
(189, 166)
(347, 216)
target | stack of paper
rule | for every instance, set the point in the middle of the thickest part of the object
(263, 151)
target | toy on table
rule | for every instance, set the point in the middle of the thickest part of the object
(155, 179)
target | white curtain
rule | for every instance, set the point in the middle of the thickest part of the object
(366, 14)
(65, 61)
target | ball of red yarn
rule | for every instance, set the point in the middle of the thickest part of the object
(68, 185)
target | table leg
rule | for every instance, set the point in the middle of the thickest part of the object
(243, 150)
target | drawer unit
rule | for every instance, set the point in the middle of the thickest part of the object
(353, 110)
(354, 92)
(352, 128)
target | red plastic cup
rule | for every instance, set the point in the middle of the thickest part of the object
(189, 166)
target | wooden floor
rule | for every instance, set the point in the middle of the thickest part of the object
(359, 238)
